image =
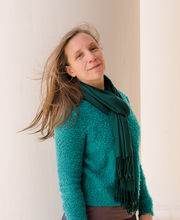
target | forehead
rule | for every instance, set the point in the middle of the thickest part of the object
(79, 41)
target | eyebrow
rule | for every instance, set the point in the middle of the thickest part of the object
(80, 49)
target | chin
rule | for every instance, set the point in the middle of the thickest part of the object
(98, 75)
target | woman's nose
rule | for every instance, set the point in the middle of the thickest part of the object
(91, 57)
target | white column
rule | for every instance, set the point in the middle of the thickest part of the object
(160, 106)
(30, 30)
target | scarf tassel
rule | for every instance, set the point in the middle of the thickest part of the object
(125, 191)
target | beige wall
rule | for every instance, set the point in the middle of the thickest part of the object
(127, 56)
(30, 31)
(160, 107)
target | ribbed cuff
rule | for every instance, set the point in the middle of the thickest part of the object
(146, 207)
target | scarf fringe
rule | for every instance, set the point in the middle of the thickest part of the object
(126, 190)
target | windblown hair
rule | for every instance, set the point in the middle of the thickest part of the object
(62, 92)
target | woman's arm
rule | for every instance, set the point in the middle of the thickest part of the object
(69, 144)
(145, 200)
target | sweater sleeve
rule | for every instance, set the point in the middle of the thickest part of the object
(145, 200)
(69, 145)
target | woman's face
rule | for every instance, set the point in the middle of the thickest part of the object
(86, 60)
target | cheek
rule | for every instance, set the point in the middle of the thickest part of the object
(101, 56)
(102, 59)
(83, 63)
(80, 66)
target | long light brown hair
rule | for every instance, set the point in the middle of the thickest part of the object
(62, 92)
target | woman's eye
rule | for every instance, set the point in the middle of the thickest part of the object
(79, 55)
(93, 48)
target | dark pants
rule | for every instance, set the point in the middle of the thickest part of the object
(131, 218)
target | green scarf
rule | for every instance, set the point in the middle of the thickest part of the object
(109, 101)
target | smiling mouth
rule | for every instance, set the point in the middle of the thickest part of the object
(95, 67)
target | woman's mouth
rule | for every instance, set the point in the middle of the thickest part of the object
(95, 66)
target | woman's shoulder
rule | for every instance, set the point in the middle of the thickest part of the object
(84, 105)
(124, 96)
(87, 111)
(83, 112)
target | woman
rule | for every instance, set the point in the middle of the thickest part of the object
(97, 135)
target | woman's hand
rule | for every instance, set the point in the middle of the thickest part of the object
(146, 217)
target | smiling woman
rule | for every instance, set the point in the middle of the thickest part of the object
(99, 171)
(86, 60)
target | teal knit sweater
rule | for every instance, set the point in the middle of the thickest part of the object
(86, 159)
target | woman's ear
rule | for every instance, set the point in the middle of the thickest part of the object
(69, 71)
